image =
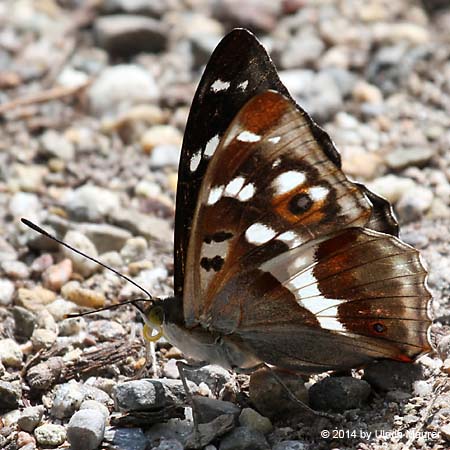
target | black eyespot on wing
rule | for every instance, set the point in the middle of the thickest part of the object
(378, 327)
(300, 203)
(221, 236)
(215, 263)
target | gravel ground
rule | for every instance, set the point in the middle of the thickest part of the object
(93, 100)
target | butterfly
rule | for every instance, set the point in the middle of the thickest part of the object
(280, 259)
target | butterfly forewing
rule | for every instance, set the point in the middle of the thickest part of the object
(238, 69)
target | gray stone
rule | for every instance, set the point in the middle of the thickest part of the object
(68, 398)
(91, 203)
(406, 157)
(214, 376)
(169, 444)
(316, 92)
(128, 34)
(82, 265)
(142, 395)
(15, 269)
(252, 419)
(271, 399)
(178, 429)
(143, 224)
(126, 438)
(243, 438)
(389, 375)
(50, 434)
(24, 204)
(257, 15)
(339, 394)
(10, 353)
(105, 237)
(6, 291)
(86, 429)
(57, 145)
(94, 404)
(119, 87)
(414, 204)
(106, 330)
(211, 408)
(165, 155)
(30, 418)
(134, 249)
(303, 49)
(10, 394)
(154, 8)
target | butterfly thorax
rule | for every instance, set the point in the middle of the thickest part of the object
(201, 344)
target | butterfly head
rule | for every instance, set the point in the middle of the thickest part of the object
(153, 317)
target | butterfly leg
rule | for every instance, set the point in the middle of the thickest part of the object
(296, 400)
(182, 367)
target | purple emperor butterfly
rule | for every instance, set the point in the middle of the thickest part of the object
(279, 258)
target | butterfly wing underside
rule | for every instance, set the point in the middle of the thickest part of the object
(239, 69)
(285, 260)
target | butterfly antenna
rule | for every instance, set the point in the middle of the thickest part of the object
(40, 230)
(106, 308)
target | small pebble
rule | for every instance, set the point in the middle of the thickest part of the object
(35, 299)
(81, 296)
(160, 135)
(134, 249)
(86, 429)
(15, 269)
(10, 353)
(31, 417)
(339, 394)
(243, 438)
(94, 404)
(106, 330)
(50, 434)
(43, 339)
(141, 395)
(68, 398)
(252, 419)
(57, 275)
(82, 265)
(10, 394)
(6, 292)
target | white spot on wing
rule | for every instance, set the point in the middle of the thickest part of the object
(212, 145)
(318, 193)
(331, 323)
(195, 160)
(243, 86)
(248, 136)
(320, 305)
(288, 181)
(290, 237)
(246, 193)
(214, 195)
(259, 233)
(220, 85)
(234, 186)
(274, 140)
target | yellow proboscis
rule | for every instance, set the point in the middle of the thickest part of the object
(148, 333)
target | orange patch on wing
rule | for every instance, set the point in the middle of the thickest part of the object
(314, 214)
